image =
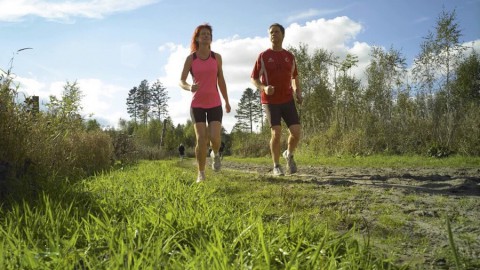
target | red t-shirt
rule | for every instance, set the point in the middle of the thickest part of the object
(276, 68)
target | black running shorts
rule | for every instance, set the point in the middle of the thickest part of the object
(286, 111)
(201, 115)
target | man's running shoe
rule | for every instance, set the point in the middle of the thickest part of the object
(216, 163)
(277, 171)
(291, 165)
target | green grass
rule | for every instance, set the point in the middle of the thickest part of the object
(153, 216)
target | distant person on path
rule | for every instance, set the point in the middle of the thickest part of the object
(181, 151)
(220, 151)
(205, 67)
(275, 75)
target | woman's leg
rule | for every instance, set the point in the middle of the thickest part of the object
(214, 130)
(201, 147)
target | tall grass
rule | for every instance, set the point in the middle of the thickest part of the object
(154, 217)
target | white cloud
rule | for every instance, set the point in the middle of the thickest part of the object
(312, 13)
(334, 35)
(362, 51)
(54, 10)
(472, 45)
(421, 20)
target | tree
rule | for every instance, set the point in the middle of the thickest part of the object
(132, 107)
(144, 98)
(435, 67)
(92, 125)
(385, 75)
(466, 87)
(249, 110)
(466, 95)
(159, 99)
(67, 109)
(147, 102)
(347, 94)
(313, 70)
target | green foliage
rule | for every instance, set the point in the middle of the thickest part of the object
(124, 147)
(42, 149)
(438, 151)
(92, 125)
(250, 144)
(317, 108)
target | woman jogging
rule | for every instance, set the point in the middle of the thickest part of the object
(205, 67)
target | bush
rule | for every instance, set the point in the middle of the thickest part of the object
(124, 148)
(438, 151)
(251, 144)
(41, 150)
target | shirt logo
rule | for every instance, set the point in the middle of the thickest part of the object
(270, 60)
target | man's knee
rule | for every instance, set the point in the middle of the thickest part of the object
(295, 131)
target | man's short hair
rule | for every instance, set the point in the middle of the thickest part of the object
(282, 29)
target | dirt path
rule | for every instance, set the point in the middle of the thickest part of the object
(446, 181)
(423, 197)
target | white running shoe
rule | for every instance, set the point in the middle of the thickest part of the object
(291, 165)
(277, 171)
(216, 163)
(201, 177)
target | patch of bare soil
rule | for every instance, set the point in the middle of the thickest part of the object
(437, 193)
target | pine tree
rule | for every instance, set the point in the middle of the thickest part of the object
(143, 101)
(249, 111)
(159, 99)
(132, 108)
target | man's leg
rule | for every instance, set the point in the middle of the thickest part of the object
(294, 138)
(276, 135)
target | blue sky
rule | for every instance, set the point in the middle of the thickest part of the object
(110, 46)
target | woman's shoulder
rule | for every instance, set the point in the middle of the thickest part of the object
(216, 56)
(190, 57)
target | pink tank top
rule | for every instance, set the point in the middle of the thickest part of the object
(204, 73)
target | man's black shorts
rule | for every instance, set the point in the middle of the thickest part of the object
(286, 111)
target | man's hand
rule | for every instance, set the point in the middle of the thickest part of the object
(269, 89)
(299, 97)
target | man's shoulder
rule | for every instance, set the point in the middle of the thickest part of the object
(266, 52)
(288, 52)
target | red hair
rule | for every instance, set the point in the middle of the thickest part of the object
(194, 43)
